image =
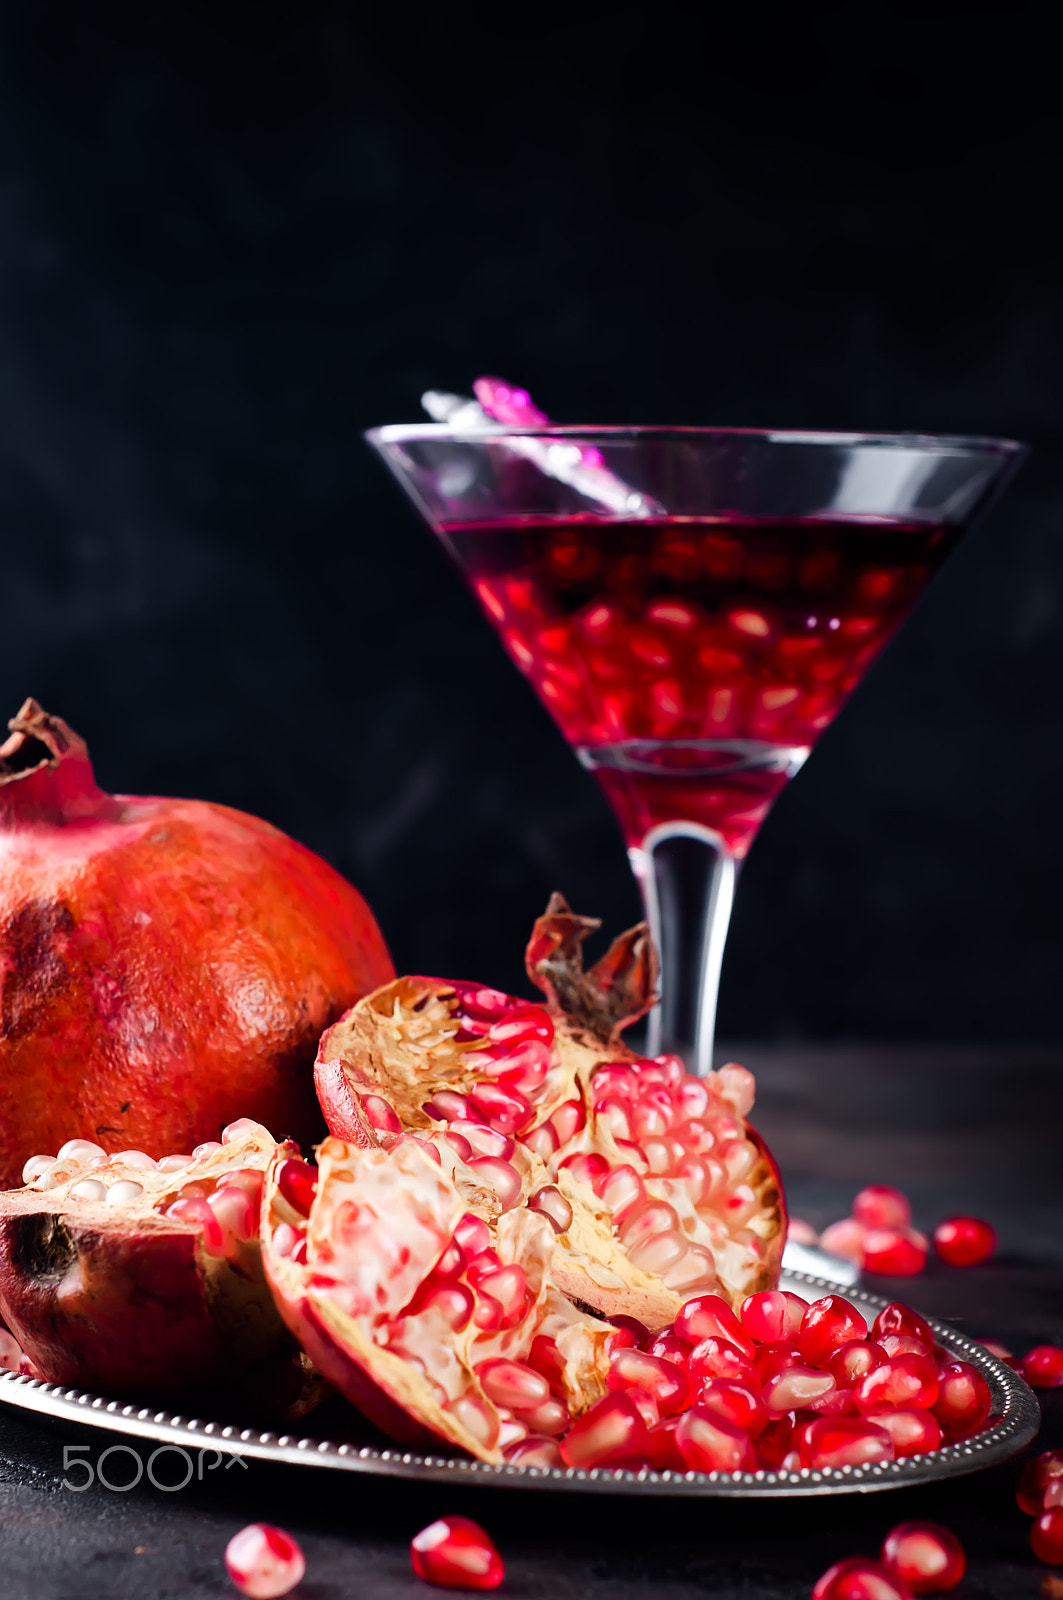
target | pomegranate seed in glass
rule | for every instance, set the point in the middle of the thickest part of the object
(264, 1561)
(693, 606)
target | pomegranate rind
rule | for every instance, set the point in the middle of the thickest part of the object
(125, 1301)
(380, 1222)
(167, 965)
(399, 1044)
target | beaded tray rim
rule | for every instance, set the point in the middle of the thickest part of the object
(1015, 1408)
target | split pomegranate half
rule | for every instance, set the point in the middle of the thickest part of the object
(140, 1278)
(653, 1182)
(437, 1323)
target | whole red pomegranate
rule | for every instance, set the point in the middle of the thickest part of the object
(165, 965)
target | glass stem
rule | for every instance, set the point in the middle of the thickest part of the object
(687, 881)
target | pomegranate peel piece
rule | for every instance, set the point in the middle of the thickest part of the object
(427, 1341)
(128, 1283)
(658, 1188)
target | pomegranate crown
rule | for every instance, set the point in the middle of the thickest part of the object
(45, 772)
(617, 990)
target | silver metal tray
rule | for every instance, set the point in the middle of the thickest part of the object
(1015, 1419)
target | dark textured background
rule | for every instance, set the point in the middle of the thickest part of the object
(233, 236)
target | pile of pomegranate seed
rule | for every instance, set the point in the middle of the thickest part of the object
(879, 1237)
(916, 1558)
(782, 1386)
(1039, 1493)
(456, 1553)
(264, 1561)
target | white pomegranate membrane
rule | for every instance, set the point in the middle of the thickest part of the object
(223, 1207)
(431, 1319)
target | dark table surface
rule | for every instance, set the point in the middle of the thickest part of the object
(958, 1128)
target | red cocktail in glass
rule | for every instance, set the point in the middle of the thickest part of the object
(693, 644)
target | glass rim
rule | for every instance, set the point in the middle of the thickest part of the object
(415, 432)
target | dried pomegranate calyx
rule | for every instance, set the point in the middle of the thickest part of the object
(617, 990)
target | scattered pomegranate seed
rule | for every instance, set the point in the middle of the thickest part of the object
(670, 1348)
(795, 1388)
(963, 1400)
(913, 1432)
(1046, 1537)
(845, 1239)
(1039, 1478)
(1001, 1352)
(773, 1358)
(1043, 1366)
(857, 1578)
(642, 1336)
(667, 1383)
(709, 1317)
(928, 1557)
(737, 1402)
(455, 1553)
(900, 1319)
(826, 1326)
(879, 1206)
(773, 1315)
(904, 1382)
(264, 1561)
(709, 1442)
(964, 1241)
(297, 1182)
(801, 1232)
(902, 1344)
(853, 1361)
(893, 1253)
(844, 1442)
(609, 1434)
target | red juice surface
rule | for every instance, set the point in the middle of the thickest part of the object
(693, 662)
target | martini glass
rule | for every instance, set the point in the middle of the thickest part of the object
(693, 606)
